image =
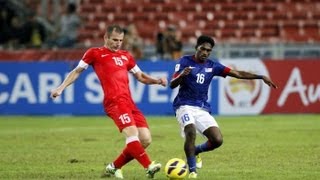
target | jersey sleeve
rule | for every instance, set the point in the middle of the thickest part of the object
(132, 63)
(83, 64)
(226, 71)
(89, 56)
(179, 67)
(135, 69)
(221, 70)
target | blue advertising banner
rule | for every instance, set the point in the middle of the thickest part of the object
(25, 88)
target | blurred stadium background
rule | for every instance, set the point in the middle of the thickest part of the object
(242, 28)
(280, 38)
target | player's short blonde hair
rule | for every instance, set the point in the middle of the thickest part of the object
(115, 28)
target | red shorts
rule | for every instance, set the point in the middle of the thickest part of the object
(125, 115)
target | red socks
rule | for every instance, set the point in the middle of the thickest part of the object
(123, 159)
(133, 150)
(137, 151)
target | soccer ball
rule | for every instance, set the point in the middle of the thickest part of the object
(176, 168)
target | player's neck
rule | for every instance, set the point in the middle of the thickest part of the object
(197, 60)
(107, 47)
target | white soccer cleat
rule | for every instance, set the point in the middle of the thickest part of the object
(193, 175)
(152, 169)
(198, 161)
(112, 171)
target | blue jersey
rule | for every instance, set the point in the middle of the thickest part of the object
(194, 87)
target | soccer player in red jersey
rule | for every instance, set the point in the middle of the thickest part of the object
(111, 64)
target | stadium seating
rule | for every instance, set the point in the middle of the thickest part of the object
(226, 20)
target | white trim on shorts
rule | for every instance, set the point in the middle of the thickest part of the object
(195, 115)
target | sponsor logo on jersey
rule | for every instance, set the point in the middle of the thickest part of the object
(176, 69)
(208, 69)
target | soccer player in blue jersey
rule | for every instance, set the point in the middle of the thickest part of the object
(193, 74)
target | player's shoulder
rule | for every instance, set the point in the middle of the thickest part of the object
(185, 59)
(95, 49)
(122, 51)
(213, 61)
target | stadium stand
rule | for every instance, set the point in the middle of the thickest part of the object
(228, 21)
(235, 16)
(235, 22)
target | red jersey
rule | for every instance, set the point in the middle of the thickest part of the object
(112, 70)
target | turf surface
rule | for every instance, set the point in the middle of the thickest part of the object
(255, 147)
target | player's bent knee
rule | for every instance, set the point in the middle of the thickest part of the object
(217, 142)
(145, 142)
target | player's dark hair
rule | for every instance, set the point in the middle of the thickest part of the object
(205, 39)
(115, 28)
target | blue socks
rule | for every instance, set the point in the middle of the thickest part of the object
(207, 146)
(192, 164)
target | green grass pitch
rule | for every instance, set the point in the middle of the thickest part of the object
(269, 147)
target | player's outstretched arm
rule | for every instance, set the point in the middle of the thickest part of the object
(269, 82)
(248, 75)
(71, 77)
(147, 79)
